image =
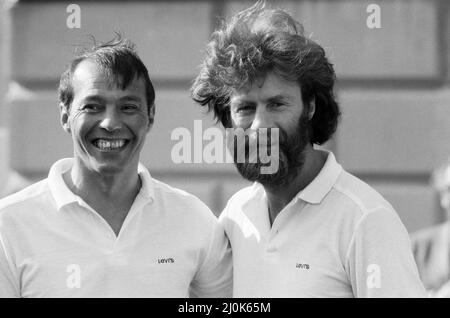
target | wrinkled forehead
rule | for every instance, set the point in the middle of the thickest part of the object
(246, 87)
(266, 86)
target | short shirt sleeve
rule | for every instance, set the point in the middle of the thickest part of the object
(8, 284)
(379, 260)
(214, 278)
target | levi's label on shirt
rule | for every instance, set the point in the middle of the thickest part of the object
(169, 260)
(302, 266)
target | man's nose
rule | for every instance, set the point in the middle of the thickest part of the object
(111, 121)
(262, 119)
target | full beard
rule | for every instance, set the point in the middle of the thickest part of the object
(291, 158)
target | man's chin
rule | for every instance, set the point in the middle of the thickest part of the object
(108, 167)
(253, 172)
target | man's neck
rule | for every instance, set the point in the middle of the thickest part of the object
(112, 186)
(280, 196)
(110, 195)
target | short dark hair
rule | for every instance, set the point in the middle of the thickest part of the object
(259, 40)
(118, 58)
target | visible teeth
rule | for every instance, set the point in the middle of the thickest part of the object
(109, 145)
(104, 144)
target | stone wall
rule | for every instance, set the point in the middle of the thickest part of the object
(393, 85)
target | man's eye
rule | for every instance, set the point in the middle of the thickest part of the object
(91, 107)
(130, 107)
(277, 104)
(244, 109)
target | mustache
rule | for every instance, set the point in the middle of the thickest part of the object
(291, 155)
(254, 139)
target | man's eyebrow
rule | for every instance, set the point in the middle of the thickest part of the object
(240, 100)
(93, 98)
(278, 98)
(131, 98)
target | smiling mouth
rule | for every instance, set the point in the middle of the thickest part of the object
(110, 144)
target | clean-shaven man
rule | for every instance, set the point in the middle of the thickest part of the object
(100, 225)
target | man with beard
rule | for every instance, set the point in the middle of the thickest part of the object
(309, 229)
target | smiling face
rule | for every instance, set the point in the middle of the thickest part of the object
(108, 125)
(273, 102)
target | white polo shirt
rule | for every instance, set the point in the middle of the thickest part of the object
(53, 244)
(337, 238)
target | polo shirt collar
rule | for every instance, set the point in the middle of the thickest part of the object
(147, 188)
(58, 188)
(316, 191)
(64, 196)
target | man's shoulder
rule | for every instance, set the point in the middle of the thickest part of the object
(24, 199)
(163, 189)
(24, 196)
(243, 195)
(246, 192)
(239, 198)
(176, 197)
(359, 194)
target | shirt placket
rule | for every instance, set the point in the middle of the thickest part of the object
(273, 242)
(106, 229)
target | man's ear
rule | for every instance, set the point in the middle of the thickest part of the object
(311, 109)
(151, 117)
(65, 117)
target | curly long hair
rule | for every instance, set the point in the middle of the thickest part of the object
(259, 40)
